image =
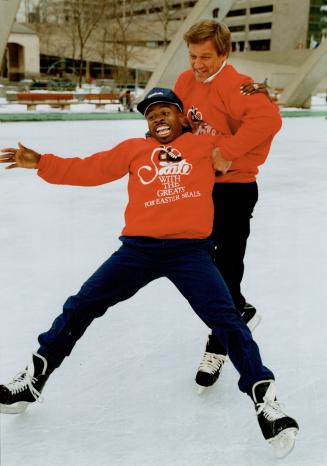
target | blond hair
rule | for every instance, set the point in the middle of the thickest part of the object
(210, 29)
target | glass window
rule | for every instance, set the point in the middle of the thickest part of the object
(256, 10)
(240, 12)
(258, 26)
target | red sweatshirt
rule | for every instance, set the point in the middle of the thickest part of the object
(169, 187)
(218, 107)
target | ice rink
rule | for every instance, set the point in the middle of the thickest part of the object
(127, 396)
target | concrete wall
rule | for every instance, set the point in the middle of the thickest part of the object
(290, 24)
(280, 69)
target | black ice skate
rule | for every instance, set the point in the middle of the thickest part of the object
(210, 366)
(212, 361)
(277, 427)
(25, 387)
(250, 316)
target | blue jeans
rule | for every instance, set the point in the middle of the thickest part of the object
(185, 262)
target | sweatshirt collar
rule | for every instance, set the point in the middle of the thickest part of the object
(212, 77)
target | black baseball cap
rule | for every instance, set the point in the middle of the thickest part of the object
(158, 95)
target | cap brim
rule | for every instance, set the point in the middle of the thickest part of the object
(146, 104)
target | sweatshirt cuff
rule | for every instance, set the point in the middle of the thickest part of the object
(42, 162)
(226, 155)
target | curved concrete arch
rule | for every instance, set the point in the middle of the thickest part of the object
(175, 59)
(313, 70)
(8, 11)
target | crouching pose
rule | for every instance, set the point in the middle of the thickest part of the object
(168, 219)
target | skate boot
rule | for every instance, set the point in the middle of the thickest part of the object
(250, 316)
(25, 387)
(212, 361)
(277, 427)
(210, 366)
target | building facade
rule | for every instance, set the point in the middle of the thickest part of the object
(282, 30)
(254, 24)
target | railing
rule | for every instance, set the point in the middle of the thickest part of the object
(62, 101)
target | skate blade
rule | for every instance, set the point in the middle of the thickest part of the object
(15, 408)
(201, 389)
(254, 322)
(284, 443)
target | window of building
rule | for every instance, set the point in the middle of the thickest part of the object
(260, 44)
(256, 10)
(259, 26)
(238, 46)
(238, 28)
(215, 13)
(240, 12)
(151, 44)
(177, 6)
(317, 22)
(155, 9)
(139, 12)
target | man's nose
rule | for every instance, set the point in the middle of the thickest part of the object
(158, 118)
(197, 63)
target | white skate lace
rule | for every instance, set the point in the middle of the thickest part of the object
(21, 381)
(211, 362)
(270, 407)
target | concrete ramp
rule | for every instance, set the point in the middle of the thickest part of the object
(8, 11)
(175, 59)
(313, 70)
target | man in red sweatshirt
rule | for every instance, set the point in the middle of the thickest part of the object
(210, 92)
(168, 220)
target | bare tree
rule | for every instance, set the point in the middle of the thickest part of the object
(122, 14)
(82, 17)
(165, 13)
(104, 44)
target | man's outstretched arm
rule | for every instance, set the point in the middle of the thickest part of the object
(94, 170)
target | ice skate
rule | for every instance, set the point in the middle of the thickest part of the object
(250, 316)
(212, 362)
(277, 427)
(25, 388)
(210, 366)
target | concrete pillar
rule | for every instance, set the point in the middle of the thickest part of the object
(313, 70)
(8, 11)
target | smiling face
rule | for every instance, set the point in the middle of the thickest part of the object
(204, 59)
(165, 122)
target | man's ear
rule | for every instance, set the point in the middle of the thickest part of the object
(183, 119)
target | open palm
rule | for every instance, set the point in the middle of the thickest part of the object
(20, 157)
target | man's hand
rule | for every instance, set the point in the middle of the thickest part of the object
(250, 88)
(219, 163)
(22, 157)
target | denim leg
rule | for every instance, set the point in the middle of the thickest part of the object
(198, 279)
(118, 278)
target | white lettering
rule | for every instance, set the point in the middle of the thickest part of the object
(148, 173)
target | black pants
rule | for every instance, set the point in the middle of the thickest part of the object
(234, 204)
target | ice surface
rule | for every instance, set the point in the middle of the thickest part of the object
(126, 396)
